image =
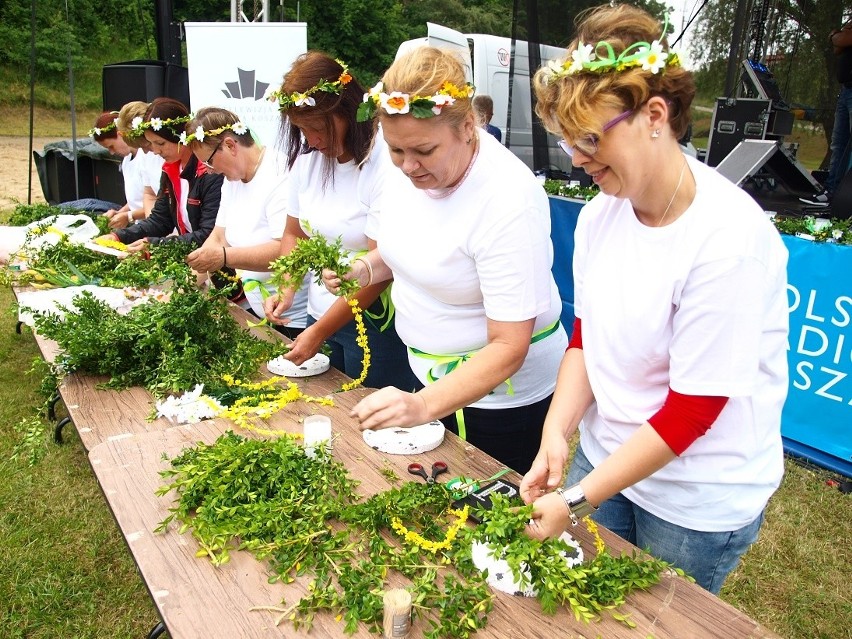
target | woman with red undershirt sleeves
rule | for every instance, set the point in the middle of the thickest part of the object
(676, 373)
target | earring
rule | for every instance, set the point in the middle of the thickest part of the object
(656, 133)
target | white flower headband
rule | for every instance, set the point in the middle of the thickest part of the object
(305, 98)
(587, 58)
(237, 127)
(138, 125)
(96, 131)
(419, 106)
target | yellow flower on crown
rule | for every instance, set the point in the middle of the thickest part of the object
(419, 106)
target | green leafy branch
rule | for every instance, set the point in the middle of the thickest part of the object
(313, 254)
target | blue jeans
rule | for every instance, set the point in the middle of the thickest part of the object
(707, 556)
(388, 355)
(840, 138)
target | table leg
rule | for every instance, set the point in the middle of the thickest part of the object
(156, 631)
(57, 432)
(51, 406)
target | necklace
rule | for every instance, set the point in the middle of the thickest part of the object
(257, 164)
(677, 188)
(439, 194)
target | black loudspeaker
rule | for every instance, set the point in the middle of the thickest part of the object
(143, 80)
(750, 156)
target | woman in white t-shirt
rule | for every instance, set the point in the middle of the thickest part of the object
(140, 170)
(465, 233)
(676, 373)
(335, 182)
(250, 222)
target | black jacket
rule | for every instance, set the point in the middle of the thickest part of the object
(202, 206)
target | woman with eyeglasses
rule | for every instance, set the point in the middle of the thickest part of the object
(188, 199)
(465, 234)
(676, 372)
(251, 217)
(336, 179)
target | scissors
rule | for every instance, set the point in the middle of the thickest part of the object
(437, 468)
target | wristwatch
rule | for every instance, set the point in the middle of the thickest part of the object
(576, 503)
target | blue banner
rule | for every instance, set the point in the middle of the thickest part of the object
(817, 418)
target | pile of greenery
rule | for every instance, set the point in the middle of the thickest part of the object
(28, 213)
(834, 231)
(167, 347)
(70, 264)
(555, 187)
(304, 517)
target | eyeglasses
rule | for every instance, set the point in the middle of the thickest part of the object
(209, 161)
(588, 145)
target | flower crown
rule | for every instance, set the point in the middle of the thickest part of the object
(237, 127)
(419, 106)
(138, 125)
(587, 58)
(96, 131)
(302, 99)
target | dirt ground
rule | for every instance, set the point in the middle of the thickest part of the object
(14, 165)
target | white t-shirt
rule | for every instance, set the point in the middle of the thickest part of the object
(700, 305)
(140, 169)
(482, 253)
(346, 208)
(254, 213)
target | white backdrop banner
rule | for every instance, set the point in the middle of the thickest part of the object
(233, 64)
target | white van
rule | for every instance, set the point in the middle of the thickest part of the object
(488, 58)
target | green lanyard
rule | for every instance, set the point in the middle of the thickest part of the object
(453, 361)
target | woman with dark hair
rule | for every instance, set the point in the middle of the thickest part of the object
(188, 199)
(140, 170)
(250, 222)
(335, 182)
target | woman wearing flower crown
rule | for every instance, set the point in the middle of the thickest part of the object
(676, 372)
(188, 199)
(141, 170)
(251, 217)
(334, 184)
(464, 232)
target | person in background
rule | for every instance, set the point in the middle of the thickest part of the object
(841, 137)
(189, 194)
(484, 107)
(464, 231)
(252, 212)
(336, 178)
(676, 372)
(140, 169)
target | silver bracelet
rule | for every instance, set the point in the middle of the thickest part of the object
(576, 503)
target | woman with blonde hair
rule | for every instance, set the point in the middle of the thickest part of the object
(464, 233)
(250, 222)
(676, 371)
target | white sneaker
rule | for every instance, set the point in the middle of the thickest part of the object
(816, 200)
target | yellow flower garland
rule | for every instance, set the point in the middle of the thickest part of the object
(361, 340)
(592, 527)
(433, 546)
(268, 400)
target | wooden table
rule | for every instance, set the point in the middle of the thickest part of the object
(196, 599)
